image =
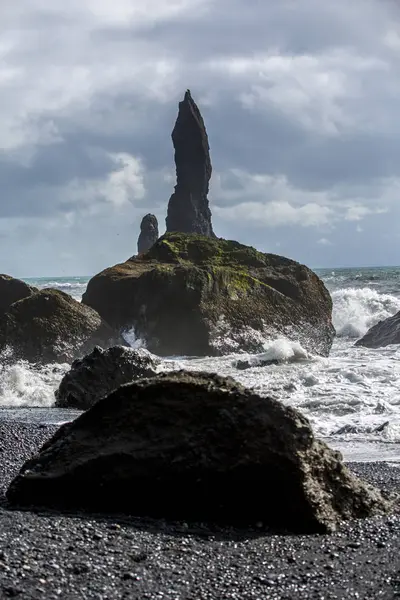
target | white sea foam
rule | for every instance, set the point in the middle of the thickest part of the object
(131, 338)
(283, 349)
(67, 285)
(354, 387)
(351, 398)
(22, 384)
(280, 350)
(358, 309)
(74, 288)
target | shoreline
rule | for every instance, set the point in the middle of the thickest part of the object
(353, 450)
(52, 555)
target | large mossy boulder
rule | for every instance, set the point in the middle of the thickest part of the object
(199, 447)
(50, 326)
(101, 372)
(195, 295)
(12, 290)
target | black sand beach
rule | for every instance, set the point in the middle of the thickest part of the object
(48, 555)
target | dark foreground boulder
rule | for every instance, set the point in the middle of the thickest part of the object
(101, 372)
(12, 290)
(196, 446)
(382, 334)
(196, 295)
(50, 326)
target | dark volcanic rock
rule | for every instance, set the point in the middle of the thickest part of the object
(148, 233)
(50, 326)
(195, 295)
(199, 447)
(12, 290)
(101, 372)
(188, 208)
(242, 365)
(384, 333)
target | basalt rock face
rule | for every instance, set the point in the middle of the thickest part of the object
(101, 372)
(195, 295)
(148, 233)
(12, 290)
(197, 447)
(188, 208)
(50, 326)
(382, 334)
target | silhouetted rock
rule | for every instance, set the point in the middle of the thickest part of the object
(196, 295)
(197, 447)
(50, 326)
(148, 233)
(12, 290)
(382, 334)
(101, 372)
(188, 208)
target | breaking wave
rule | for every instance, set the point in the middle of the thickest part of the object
(355, 310)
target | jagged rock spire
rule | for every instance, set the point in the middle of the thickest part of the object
(188, 207)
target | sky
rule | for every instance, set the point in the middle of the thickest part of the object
(300, 99)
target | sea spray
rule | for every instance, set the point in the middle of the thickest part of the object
(355, 310)
(131, 338)
(24, 384)
(354, 390)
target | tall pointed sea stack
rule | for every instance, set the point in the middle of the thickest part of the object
(188, 209)
(148, 233)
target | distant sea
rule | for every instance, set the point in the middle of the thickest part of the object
(75, 286)
(352, 398)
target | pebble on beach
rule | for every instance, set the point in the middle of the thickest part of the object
(50, 555)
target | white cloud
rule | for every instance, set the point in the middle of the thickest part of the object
(324, 242)
(120, 188)
(392, 39)
(125, 184)
(307, 88)
(265, 200)
(357, 212)
(276, 214)
(237, 184)
(122, 12)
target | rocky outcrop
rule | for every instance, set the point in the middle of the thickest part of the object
(188, 208)
(50, 326)
(148, 233)
(12, 290)
(100, 373)
(382, 334)
(197, 447)
(195, 295)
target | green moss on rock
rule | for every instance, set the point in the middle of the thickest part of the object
(198, 249)
(178, 294)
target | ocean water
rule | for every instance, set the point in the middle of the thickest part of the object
(75, 286)
(352, 398)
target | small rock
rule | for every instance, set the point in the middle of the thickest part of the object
(101, 372)
(148, 233)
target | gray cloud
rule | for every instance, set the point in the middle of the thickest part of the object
(300, 100)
